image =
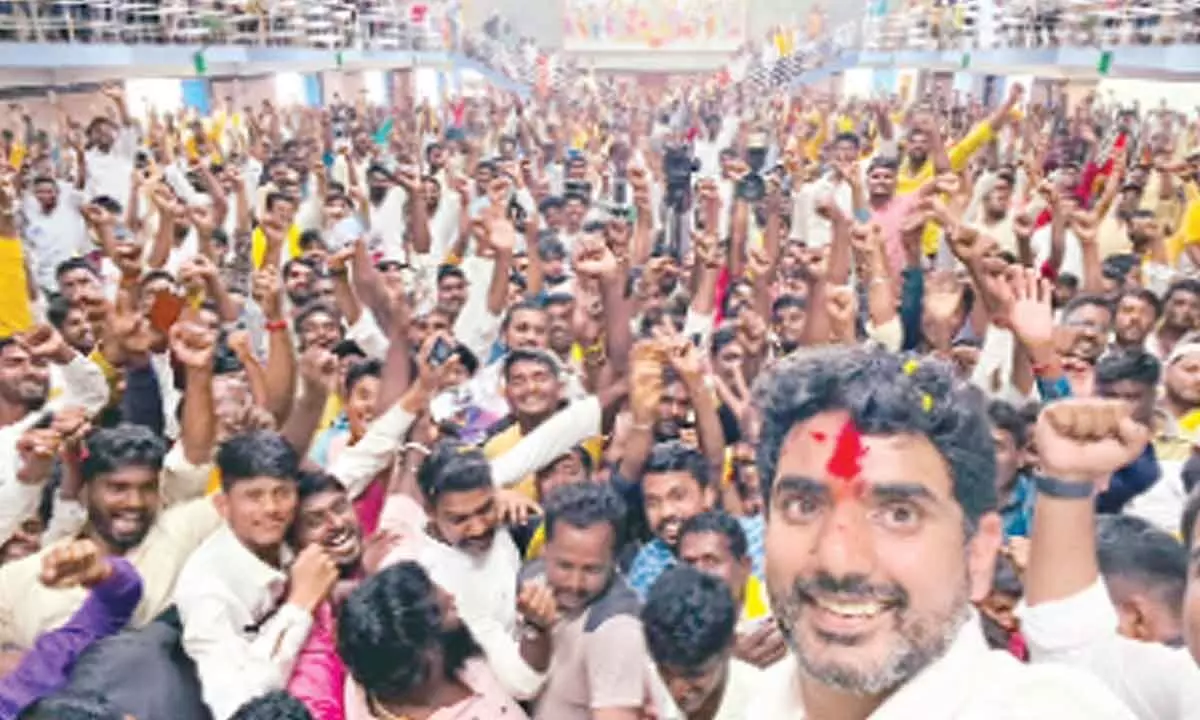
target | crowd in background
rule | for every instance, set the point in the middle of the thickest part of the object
(606, 404)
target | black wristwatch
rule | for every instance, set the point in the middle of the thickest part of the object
(1064, 489)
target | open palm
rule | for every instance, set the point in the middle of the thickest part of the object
(1031, 314)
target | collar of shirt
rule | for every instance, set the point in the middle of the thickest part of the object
(949, 684)
(256, 584)
(1021, 494)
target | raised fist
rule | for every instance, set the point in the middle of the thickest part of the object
(1087, 440)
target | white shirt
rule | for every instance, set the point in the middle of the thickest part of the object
(1072, 259)
(111, 173)
(484, 589)
(807, 225)
(389, 220)
(476, 326)
(340, 172)
(82, 385)
(1157, 682)
(1162, 504)
(969, 682)
(443, 227)
(243, 648)
(549, 441)
(57, 236)
(359, 464)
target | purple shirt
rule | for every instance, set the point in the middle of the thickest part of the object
(47, 666)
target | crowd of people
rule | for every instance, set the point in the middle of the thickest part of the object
(610, 404)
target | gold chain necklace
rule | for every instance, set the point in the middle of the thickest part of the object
(380, 712)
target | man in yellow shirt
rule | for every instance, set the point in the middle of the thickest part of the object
(927, 154)
(15, 313)
(265, 245)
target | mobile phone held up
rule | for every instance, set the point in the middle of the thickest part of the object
(165, 309)
(440, 352)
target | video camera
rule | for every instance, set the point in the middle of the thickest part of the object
(678, 168)
(752, 187)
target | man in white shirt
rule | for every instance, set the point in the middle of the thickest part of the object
(689, 619)
(879, 479)
(1042, 243)
(469, 554)
(357, 160)
(54, 228)
(387, 213)
(246, 608)
(841, 183)
(1069, 618)
(111, 150)
(27, 368)
(123, 491)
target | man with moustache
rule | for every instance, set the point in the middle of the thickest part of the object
(130, 514)
(878, 472)
(677, 486)
(601, 666)
(460, 542)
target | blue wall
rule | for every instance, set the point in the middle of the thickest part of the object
(197, 94)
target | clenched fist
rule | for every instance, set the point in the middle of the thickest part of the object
(77, 563)
(1087, 440)
(536, 605)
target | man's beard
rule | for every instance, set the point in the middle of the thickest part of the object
(458, 646)
(102, 523)
(666, 431)
(33, 395)
(301, 297)
(916, 641)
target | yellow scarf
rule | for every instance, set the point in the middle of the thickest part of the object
(258, 246)
(756, 605)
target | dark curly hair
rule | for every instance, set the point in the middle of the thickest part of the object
(453, 466)
(689, 618)
(386, 629)
(717, 522)
(673, 456)
(885, 394)
(261, 453)
(1135, 365)
(110, 449)
(277, 705)
(361, 370)
(584, 505)
(1007, 417)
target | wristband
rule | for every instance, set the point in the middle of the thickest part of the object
(862, 215)
(1063, 489)
(1040, 369)
(276, 325)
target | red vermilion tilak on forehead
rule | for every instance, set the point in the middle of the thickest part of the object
(844, 465)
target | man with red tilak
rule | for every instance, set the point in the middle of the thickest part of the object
(878, 476)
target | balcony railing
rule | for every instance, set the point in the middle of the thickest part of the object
(1024, 24)
(324, 24)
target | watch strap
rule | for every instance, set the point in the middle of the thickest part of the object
(1064, 489)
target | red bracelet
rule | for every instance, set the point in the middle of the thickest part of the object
(276, 325)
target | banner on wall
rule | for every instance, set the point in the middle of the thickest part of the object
(624, 25)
